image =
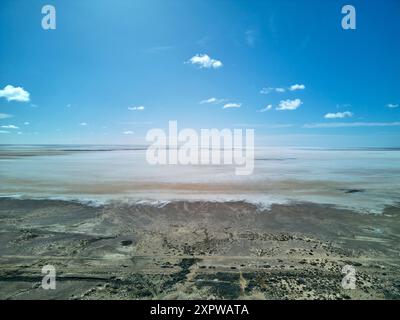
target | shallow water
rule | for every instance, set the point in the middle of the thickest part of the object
(366, 180)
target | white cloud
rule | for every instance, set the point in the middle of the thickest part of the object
(12, 93)
(139, 108)
(294, 87)
(3, 131)
(338, 115)
(83, 124)
(68, 105)
(267, 90)
(26, 123)
(204, 61)
(5, 115)
(351, 124)
(289, 104)
(297, 87)
(392, 106)
(10, 126)
(128, 132)
(232, 105)
(267, 108)
(212, 100)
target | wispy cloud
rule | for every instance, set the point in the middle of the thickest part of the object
(297, 87)
(267, 108)
(264, 125)
(5, 115)
(12, 93)
(136, 123)
(83, 124)
(392, 105)
(203, 42)
(351, 124)
(338, 115)
(294, 87)
(250, 37)
(139, 108)
(26, 123)
(205, 61)
(158, 49)
(128, 132)
(289, 104)
(4, 131)
(10, 126)
(279, 126)
(267, 90)
(231, 105)
(343, 105)
(212, 100)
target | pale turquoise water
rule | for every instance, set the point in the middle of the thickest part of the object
(280, 175)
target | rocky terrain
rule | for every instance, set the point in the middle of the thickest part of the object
(196, 250)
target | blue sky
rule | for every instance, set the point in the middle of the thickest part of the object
(114, 69)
